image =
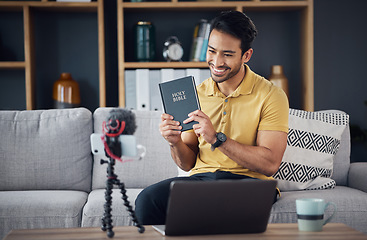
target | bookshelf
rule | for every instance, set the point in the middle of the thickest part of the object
(28, 10)
(163, 12)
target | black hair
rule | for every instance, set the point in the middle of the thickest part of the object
(238, 25)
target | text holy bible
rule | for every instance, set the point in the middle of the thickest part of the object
(179, 98)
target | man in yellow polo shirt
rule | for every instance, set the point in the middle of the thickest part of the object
(242, 125)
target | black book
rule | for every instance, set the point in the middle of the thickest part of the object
(179, 98)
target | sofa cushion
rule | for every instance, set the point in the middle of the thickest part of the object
(157, 164)
(40, 209)
(313, 141)
(351, 206)
(342, 158)
(46, 150)
(357, 177)
(94, 209)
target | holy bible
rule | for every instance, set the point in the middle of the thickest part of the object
(179, 98)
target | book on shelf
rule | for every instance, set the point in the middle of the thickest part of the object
(200, 41)
(204, 48)
(179, 98)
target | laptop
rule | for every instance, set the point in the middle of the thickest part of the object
(218, 207)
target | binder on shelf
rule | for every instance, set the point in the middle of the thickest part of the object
(204, 74)
(73, 0)
(142, 89)
(167, 74)
(130, 89)
(195, 72)
(155, 96)
(179, 73)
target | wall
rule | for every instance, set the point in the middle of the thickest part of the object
(66, 42)
(340, 62)
(341, 57)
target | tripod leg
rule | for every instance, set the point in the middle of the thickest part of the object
(107, 216)
(140, 227)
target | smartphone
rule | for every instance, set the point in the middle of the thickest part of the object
(128, 145)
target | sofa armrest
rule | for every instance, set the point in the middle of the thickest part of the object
(357, 177)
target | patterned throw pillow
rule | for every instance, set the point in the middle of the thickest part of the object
(313, 140)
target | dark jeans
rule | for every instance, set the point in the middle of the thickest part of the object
(151, 203)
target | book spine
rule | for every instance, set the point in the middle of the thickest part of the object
(198, 40)
(204, 48)
(162, 97)
(194, 42)
(196, 93)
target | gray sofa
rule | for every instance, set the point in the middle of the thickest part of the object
(49, 178)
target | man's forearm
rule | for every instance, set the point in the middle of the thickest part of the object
(183, 156)
(264, 158)
(254, 158)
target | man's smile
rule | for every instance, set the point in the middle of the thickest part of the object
(218, 71)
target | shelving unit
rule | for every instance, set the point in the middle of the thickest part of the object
(127, 10)
(27, 8)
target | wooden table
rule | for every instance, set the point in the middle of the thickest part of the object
(281, 231)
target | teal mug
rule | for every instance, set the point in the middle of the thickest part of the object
(310, 213)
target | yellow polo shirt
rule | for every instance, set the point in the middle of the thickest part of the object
(255, 105)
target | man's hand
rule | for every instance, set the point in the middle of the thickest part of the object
(170, 129)
(184, 146)
(204, 127)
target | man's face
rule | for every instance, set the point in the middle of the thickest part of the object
(224, 56)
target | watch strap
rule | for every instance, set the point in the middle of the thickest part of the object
(219, 141)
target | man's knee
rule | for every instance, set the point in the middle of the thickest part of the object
(143, 199)
(151, 204)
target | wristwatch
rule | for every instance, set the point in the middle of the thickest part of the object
(221, 138)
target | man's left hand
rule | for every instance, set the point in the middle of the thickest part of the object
(204, 127)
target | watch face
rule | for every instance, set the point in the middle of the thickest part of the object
(175, 51)
(221, 137)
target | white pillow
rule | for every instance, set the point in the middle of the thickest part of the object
(313, 140)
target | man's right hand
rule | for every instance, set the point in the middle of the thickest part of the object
(170, 129)
(184, 145)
